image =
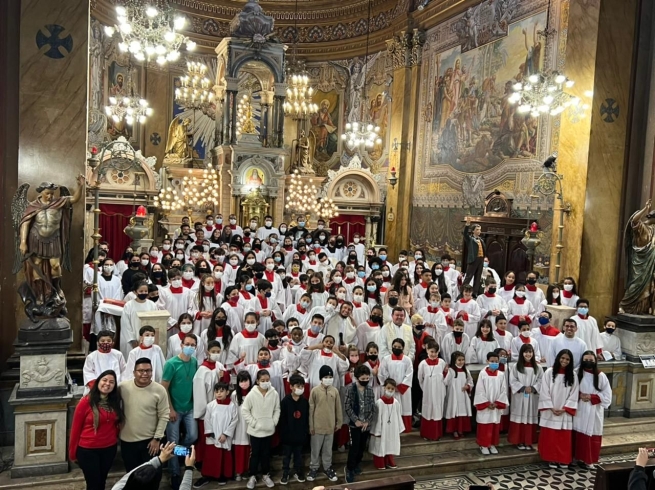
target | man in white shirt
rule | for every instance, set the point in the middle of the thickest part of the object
(569, 341)
(263, 232)
(396, 329)
(611, 341)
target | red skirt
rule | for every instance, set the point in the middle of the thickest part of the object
(587, 448)
(218, 462)
(504, 423)
(459, 425)
(381, 462)
(522, 434)
(275, 440)
(200, 444)
(555, 445)
(343, 435)
(431, 429)
(488, 435)
(241, 458)
(407, 420)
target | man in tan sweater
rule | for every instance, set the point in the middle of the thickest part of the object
(146, 409)
(324, 420)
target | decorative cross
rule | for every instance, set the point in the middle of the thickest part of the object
(610, 110)
(50, 36)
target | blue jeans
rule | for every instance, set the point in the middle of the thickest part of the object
(173, 435)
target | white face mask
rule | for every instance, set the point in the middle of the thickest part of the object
(215, 357)
(358, 298)
(218, 275)
(250, 261)
(555, 295)
(148, 341)
(210, 222)
(327, 381)
(520, 294)
(233, 221)
(145, 262)
(299, 391)
(434, 304)
(205, 248)
(389, 393)
(166, 246)
(304, 304)
(188, 275)
(336, 279)
(350, 275)
(264, 385)
(341, 295)
(154, 253)
(270, 267)
(234, 262)
(327, 350)
(329, 308)
(385, 273)
(179, 256)
(253, 225)
(186, 327)
(568, 287)
(179, 245)
(355, 240)
(438, 272)
(108, 268)
(283, 229)
(268, 223)
(176, 283)
(525, 334)
(209, 287)
(251, 327)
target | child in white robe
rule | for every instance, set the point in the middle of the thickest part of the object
(361, 310)
(490, 303)
(459, 384)
(233, 309)
(245, 345)
(519, 309)
(490, 399)
(103, 359)
(524, 338)
(432, 374)
(146, 348)
(399, 367)
(456, 340)
(545, 334)
(434, 318)
(532, 292)
(175, 299)
(595, 398)
(241, 439)
(468, 311)
(203, 303)
(276, 369)
(219, 330)
(507, 290)
(373, 363)
(387, 426)
(588, 328)
(569, 293)
(368, 331)
(313, 357)
(524, 381)
(174, 344)
(483, 343)
(130, 322)
(558, 403)
(265, 305)
(501, 334)
(611, 342)
(299, 310)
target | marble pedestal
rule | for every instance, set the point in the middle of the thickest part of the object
(637, 334)
(560, 313)
(159, 321)
(43, 367)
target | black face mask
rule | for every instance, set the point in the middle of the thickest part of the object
(588, 364)
(273, 343)
(158, 274)
(396, 351)
(203, 270)
(154, 299)
(419, 327)
(372, 357)
(363, 383)
(166, 263)
(532, 281)
(457, 335)
(221, 322)
(142, 296)
(264, 362)
(393, 301)
(492, 290)
(134, 265)
(376, 319)
(246, 233)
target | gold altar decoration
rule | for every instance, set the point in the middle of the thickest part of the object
(245, 123)
(254, 205)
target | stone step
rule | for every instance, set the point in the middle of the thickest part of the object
(620, 425)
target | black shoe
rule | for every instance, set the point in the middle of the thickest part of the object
(300, 476)
(200, 482)
(331, 474)
(358, 470)
(285, 479)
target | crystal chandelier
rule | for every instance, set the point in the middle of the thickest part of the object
(326, 209)
(150, 30)
(543, 93)
(132, 109)
(298, 103)
(363, 134)
(194, 92)
(245, 122)
(301, 198)
(194, 192)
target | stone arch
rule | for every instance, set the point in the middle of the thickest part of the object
(355, 189)
(270, 63)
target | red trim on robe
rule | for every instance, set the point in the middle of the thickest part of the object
(522, 434)
(587, 448)
(487, 435)
(555, 445)
(241, 458)
(431, 429)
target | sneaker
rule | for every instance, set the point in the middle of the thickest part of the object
(331, 474)
(341, 449)
(238, 478)
(529, 448)
(284, 480)
(349, 475)
(484, 450)
(312, 475)
(589, 466)
(493, 450)
(299, 476)
(358, 470)
(391, 466)
(251, 483)
(201, 482)
(553, 465)
(267, 481)
(521, 447)
(222, 481)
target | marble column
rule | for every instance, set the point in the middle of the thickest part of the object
(53, 117)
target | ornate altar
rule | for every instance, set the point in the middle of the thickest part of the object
(254, 206)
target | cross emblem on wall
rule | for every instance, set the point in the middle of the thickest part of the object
(50, 37)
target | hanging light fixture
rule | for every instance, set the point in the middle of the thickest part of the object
(543, 92)
(298, 104)
(363, 133)
(301, 198)
(194, 92)
(194, 192)
(149, 30)
(132, 107)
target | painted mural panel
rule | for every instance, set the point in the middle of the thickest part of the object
(325, 126)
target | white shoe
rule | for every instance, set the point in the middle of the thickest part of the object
(493, 450)
(521, 447)
(267, 481)
(252, 482)
(238, 478)
(484, 450)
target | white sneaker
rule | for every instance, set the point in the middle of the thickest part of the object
(267, 481)
(252, 482)
(238, 478)
(493, 450)
(521, 447)
(484, 450)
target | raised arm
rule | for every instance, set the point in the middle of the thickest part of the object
(639, 215)
(77, 195)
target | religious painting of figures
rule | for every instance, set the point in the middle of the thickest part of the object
(325, 124)
(473, 125)
(379, 114)
(122, 81)
(254, 178)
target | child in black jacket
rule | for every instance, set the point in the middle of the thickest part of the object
(294, 428)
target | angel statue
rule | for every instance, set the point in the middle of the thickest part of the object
(177, 145)
(639, 297)
(303, 155)
(42, 229)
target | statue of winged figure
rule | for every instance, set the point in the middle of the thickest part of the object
(42, 229)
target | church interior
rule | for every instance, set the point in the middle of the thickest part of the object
(400, 123)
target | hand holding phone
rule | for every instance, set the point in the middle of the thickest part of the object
(181, 451)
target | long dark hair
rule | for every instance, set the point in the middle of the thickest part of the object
(595, 370)
(439, 279)
(242, 376)
(520, 364)
(201, 291)
(490, 335)
(569, 372)
(113, 398)
(453, 361)
(226, 330)
(549, 295)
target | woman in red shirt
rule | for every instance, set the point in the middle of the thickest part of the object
(94, 433)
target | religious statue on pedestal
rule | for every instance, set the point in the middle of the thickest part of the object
(42, 231)
(303, 155)
(639, 297)
(177, 144)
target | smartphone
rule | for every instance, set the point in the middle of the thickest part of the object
(181, 451)
(651, 452)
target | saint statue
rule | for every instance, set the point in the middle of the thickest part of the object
(303, 159)
(42, 231)
(640, 251)
(177, 145)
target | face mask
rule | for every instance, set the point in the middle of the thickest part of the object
(205, 248)
(108, 268)
(218, 275)
(341, 295)
(188, 350)
(145, 262)
(253, 225)
(315, 328)
(304, 304)
(543, 320)
(246, 248)
(264, 362)
(329, 308)
(568, 287)
(321, 237)
(215, 357)
(383, 257)
(327, 350)
(188, 275)
(244, 385)
(371, 289)
(583, 310)
(358, 298)
(166, 246)
(154, 253)
(179, 245)
(396, 351)
(588, 364)
(233, 221)
(492, 290)
(283, 229)
(185, 327)
(250, 327)
(148, 341)
(493, 366)
(154, 299)
(179, 256)
(525, 334)
(434, 304)
(209, 287)
(264, 385)
(221, 322)
(135, 265)
(273, 343)
(219, 221)
(385, 273)
(250, 261)
(104, 347)
(555, 295)
(486, 264)
(176, 283)
(158, 274)
(298, 391)
(610, 331)
(419, 327)
(438, 272)
(312, 257)
(520, 294)
(389, 393)
(301, 224)
(195, 255)
(327, 381)
(457, 335)
(210, 222)
(503, 360)
(355, 240)
(234, 262)
(393, 301)
(270, 267)
(376, 319)
(143, 296)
